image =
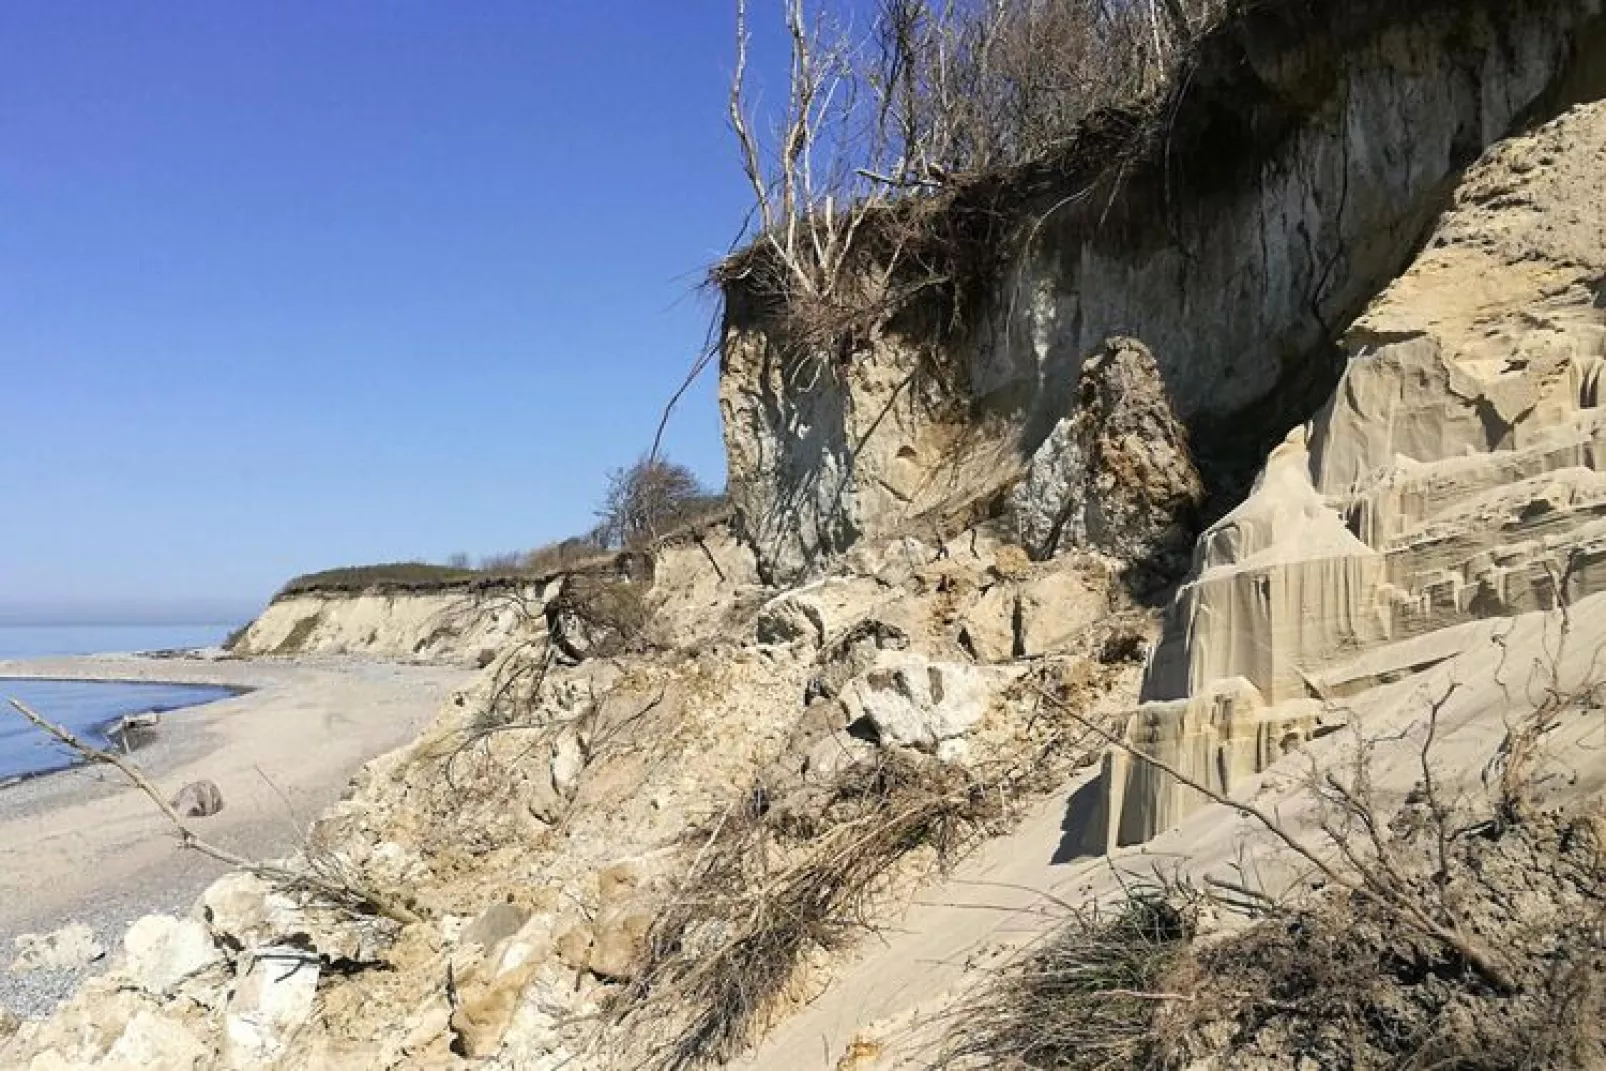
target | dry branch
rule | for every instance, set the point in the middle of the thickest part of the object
(1399, 901)
(344, 893)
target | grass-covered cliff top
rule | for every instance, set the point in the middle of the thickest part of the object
(580, 555)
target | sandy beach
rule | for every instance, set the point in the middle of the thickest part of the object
(83, 846)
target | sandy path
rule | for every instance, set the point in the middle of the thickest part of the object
(81, 845)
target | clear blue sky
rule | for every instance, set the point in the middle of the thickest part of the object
(292, 285)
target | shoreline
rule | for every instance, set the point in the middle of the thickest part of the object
(99, 734)
(81, 845)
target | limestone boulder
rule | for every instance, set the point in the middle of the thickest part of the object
(618, 940)
(273, 996)
(1115, 474)
(910, 700)
(989, 628)
(818, 612)
(165, 956)
(1055, 609)
(153, 1039)
(246, 912)
(73, 946)
(624, 916)
(491, 981)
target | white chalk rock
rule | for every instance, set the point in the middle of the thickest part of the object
(271, 1000)
(68, 948)
(913, 701)
(163, 955)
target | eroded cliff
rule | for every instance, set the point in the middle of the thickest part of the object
(1287, 180)
(1457, 474)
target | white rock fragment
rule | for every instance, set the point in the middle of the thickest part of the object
(71, 947)
(271, 1000)
(162, 954)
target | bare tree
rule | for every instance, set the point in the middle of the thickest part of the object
(645, 499)
(879, 127)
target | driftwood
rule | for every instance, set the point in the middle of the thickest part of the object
(350, 894)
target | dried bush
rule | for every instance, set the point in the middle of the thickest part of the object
(1342, 982)
(1085, 998)
(888, 181)
(771, 885)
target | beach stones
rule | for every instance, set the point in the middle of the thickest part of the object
(68, 948)
(198, 799)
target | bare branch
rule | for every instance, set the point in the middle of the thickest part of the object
(343, 893)
(1397, 902)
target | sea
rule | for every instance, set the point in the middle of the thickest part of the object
(88, 707)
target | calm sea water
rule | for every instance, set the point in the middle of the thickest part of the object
(87, 707)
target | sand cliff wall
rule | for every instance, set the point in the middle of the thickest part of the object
(446, 626)
(1457, 475)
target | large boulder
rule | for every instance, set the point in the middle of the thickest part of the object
(272, 998)
(1115, 475)
(910, 700)
(166, 956)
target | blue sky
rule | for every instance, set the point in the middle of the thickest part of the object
(293, 285)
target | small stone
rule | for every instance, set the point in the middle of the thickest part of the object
(198, 799)
(495, 923)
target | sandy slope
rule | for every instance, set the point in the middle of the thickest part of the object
(81, 843)
(907, 987)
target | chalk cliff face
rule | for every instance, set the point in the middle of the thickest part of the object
(1457, 473)
(1305, 157)
(416, 626)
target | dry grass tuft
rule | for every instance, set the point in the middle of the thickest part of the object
(772, 885)
(1086, 998)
